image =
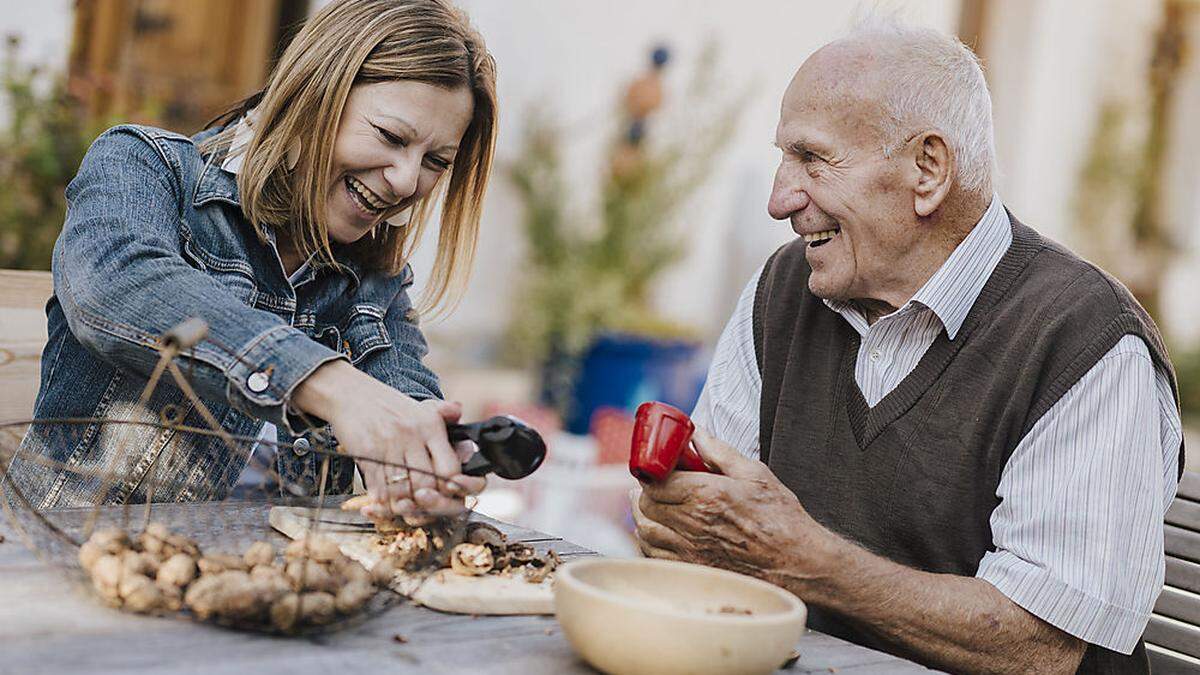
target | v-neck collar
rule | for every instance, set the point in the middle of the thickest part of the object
(868, 422)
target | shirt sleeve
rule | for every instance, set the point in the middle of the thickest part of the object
(1079, 528)
(728, 405)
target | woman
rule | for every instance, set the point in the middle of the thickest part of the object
(287, 229)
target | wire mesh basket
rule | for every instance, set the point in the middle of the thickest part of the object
(139, 542)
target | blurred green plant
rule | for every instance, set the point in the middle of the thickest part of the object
(592, 270)
(44, 133)
(1187, 374)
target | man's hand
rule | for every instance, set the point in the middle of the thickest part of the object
(742, 519)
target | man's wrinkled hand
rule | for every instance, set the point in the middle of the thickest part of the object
(742, 518)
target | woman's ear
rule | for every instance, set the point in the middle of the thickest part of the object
(935, 172)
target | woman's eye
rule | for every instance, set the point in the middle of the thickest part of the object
(389, 137)
(437, 163)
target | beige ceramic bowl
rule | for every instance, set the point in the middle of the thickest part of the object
(659, 617)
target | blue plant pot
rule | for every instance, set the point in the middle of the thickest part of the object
(622, 371)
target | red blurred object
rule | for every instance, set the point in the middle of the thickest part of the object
(612, 428)
(661, 442)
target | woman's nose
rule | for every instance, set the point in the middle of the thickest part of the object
(402, 176)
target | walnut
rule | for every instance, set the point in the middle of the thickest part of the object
(110, 540)
(231, 595)
(106, 576)
(383, 572)
(353, 596)
(271, 575)
(177, 571)
(259, 553)
(471, 559)
(317, 548)
(215, 563)
(140, 594)
(309, 575)
(317, 608)
(285, 612)
(89, 553)
(139, 563)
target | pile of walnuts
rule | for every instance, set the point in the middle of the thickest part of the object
(160, 571)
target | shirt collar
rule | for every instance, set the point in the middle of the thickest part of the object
(243, 133)
(953, 289)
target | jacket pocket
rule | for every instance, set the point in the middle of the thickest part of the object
(235, 275)
(364, 333)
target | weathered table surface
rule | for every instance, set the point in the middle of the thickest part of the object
(49, 623)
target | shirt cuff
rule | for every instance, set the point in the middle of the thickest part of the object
(263, 376)
(1067, 608)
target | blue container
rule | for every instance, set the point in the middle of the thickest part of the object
(622, 371)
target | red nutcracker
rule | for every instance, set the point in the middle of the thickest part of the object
(661, 443)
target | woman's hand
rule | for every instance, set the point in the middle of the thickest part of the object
(415, 468)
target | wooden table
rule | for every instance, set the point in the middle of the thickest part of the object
(51, 624)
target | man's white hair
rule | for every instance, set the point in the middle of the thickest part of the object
(932, 81)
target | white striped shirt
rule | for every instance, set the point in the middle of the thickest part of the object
(1079, 528)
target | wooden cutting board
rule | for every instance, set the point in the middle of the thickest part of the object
(442, 590)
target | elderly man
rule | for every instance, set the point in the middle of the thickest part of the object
(951, 437)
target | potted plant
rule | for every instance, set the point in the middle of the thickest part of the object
(587, 317)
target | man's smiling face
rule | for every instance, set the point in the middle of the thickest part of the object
(834, 183)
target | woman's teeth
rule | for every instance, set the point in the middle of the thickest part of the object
(820, 236)
(364, 196)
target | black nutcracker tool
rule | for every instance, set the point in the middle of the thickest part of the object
(508, 447)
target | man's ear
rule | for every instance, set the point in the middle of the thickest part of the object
(935, 172)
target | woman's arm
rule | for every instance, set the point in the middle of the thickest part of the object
(122, 282)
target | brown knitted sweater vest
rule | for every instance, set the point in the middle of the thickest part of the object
(914, 479)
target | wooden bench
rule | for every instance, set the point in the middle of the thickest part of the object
(23, 297)
(1173, 636)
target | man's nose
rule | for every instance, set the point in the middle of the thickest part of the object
(402, 175)
(786, 198)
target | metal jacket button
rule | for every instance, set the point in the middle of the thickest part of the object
(301, 447)
(258, 382)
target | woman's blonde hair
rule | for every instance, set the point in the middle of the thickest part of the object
(347, 43)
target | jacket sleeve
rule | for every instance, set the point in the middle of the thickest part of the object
(122, 280)
(402, 367)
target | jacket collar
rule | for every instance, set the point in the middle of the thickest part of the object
(215, 183)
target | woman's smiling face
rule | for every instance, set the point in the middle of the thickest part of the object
(394, 142)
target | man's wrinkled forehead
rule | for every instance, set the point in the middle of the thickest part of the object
(835, 93)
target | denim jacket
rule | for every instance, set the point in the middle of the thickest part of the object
(155, 234)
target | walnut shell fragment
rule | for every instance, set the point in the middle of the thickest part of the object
(485, 534)
(471, 559)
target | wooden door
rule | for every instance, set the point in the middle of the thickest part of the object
(175, 63)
